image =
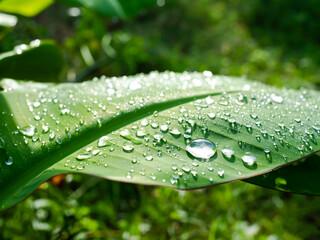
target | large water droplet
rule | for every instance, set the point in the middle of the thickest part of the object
(201, 148)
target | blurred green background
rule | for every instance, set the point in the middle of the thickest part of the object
(275, 42)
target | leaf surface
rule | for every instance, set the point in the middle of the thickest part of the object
(142, 129)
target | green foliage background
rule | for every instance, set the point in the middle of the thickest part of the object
(277, 44)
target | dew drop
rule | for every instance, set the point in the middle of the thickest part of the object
(212, 115)
(83, 156)
(126, 134)
(201, 148)
(52, 135)
(128, 148)
(45, 128)
(268, 154)
(149, 158)
(228, 153)
(154, 125)
(9, 161)
(220, 173)
(194, 173)
(164, 128)
(28, 131)
(104, 141)
(249, 128)
(36, 104)
(174, 167)
(276, 98)
(175, 132)
(134, 160)
(144, 123)
(95, 152)
(233, 124)
(141, 133)
(186, 168)
(248, 159)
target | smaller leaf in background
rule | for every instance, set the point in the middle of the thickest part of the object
(28, 8)
(39, 61)
(113, 8)
(300, 177)
(7, 22)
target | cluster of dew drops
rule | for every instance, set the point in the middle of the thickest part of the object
(151, 134)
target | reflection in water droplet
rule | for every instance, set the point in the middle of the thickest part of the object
(83, 156)
(276, 98)
(248, 159)
(212, 115)
(149, 158)
(104, 141)
(232, 124)
(9, 161)
(201, 148)
(220, 173)
(228, 153)
(45, 128)
(164, 128)
(141, 133)
(28, 131)
(126, 134)
(154, 125)
(128, 147)
(268, 154)
(186, 168)
(174, 167)
(175, 132)
(144, 123)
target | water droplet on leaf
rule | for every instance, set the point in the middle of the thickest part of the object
(201, 148)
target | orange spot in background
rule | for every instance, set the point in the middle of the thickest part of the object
(57, 180)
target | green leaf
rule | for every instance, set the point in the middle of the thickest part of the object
(28, 8)
(39, 61)
(300, 177)
(141, 129)
(113, 8)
